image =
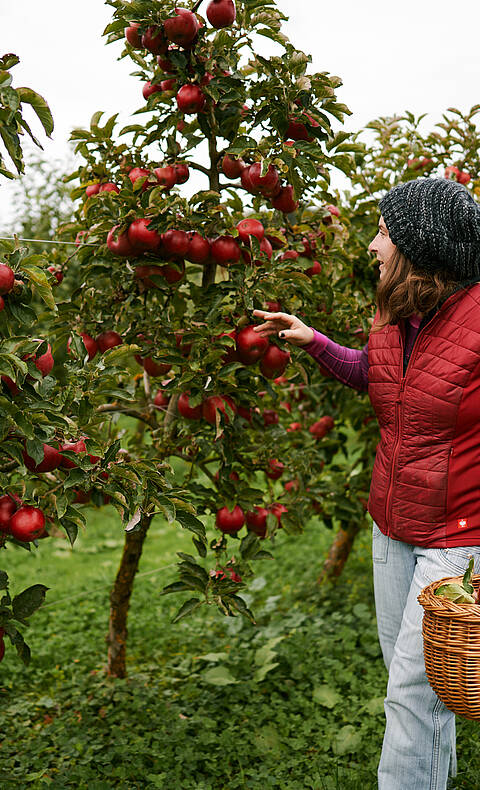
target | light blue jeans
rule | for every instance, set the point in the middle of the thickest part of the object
(419, 743)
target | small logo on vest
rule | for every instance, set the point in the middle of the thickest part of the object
(462, 523)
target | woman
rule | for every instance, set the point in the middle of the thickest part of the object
(421, 367)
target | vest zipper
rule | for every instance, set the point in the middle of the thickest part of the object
(398, 405)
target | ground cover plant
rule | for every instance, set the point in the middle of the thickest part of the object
(293, 702)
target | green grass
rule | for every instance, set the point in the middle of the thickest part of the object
(211, 702)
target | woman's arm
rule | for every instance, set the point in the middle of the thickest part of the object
(348, 365)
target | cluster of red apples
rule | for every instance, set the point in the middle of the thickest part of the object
(180, 30)
(231, 521)
(167, 176)
(176, 246)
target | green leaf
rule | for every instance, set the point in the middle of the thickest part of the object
(348, 740)
(219, 676)
(28, 601)
(455, 592)
(40, 106)
(187, 608)
(262, 671)
(326, 696)
(40, 283)
(192, 523)
(467, 578)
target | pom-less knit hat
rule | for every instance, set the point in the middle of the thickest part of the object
(435, 223)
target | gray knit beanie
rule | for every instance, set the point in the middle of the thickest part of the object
(435, 223)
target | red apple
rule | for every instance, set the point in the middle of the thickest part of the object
(297, 130)
(182, 28)
(323, 426)
(257, 521)
(175, 242)
(250, 227)
(28, 523)
(150, 88)
(168, 85)
(51, 460)
(73, 447)
(133, 36)
(7, 279)
(278, 509)
(140, 172)
(44, 363)
(161, 400)
(90, 345)
(7, 508)
(225, 250)
(267, 184)
(174, 272)
(217, 403)
(246, 180)
(221, 13)
(228, 521)
(232, 168)
(141, 238)
(245, 413)
(166, 176)
(154, 40)
(275, 469)
(164, 61)
(250, 345)
(154, 368)
(265, 247)
(109, 187)
(92, 189)
(274, 362)
(285, 201)
(313, 270)
(187, 411)
(143, 273)
(182, 173)
(109, 339)
(198, 250)
(119, 243)
(190, 98)
(294, 426)
(270, 417)
(57, 273)
(184, 348)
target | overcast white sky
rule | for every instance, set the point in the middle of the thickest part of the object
(417, 55)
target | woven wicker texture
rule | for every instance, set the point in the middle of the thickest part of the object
(451, 647)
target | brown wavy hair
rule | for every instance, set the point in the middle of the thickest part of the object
(402, 292)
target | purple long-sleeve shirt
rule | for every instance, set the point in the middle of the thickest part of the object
(350, 365)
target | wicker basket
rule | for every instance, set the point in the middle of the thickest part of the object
(451, 646)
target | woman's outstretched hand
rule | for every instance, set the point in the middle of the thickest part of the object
(287, 327)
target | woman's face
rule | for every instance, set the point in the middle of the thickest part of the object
(382, 247)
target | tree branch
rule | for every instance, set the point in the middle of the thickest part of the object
(202, 169)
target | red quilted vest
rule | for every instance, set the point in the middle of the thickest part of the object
(426, 478)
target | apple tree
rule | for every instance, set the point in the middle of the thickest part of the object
(54, 449)
(257, 435)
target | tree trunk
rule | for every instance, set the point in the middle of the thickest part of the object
(120, 599)
(338, 553)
